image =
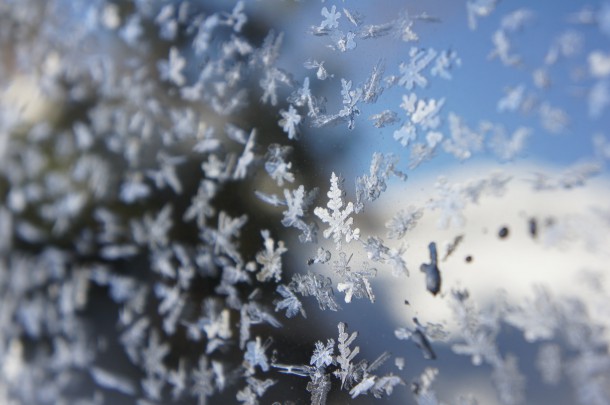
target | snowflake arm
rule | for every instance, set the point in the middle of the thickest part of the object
(346, 355)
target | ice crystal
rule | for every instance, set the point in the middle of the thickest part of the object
(403, 221)
(221, 238)
(290, 122)
(330, 18)
(346, 355)
(369, 187)
(270, 259)
(411, 73)
(549, 363)
(418, 336)
(336, 216)
(354, 283)
(323, 354)
(318, 286)
(255, 355)
(290, 302)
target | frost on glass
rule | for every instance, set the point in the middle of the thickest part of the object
(289, 202)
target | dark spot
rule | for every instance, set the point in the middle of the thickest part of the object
(310, 262)
(503, 232)
(407, 302)
(533, 227)
(453, 245)
(421, 340)
(433, 274)
(468, 259)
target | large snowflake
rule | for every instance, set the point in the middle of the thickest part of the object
(338, 218)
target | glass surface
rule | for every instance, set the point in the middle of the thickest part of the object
(297, 202)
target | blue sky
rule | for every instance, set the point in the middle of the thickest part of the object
(476, 86)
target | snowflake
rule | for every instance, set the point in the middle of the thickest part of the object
(270, 259)
(411, 73)
(255, 355)
(276, 165)
(338, 219)
(506, 147)
(406, 134)
(419, 337)
(170, 306)
(154, 354)
(386, 117)
(171, 69)
(177, 379)
(318, 286)
(203, 383)
(599, 98)
(463, 140)
(237, 18)
(298, 202)
(513, 99)
(567, 45)
(426, 113)
(290, 302)
(403, 221)
(502, 49)
(379, 252)
(221, 238)
(509, 382)
(321, 72)
(538, 319)
(323, 354)
(290, 122)
(256, 388)
(330, 18)
(443, 64)
(354, 283)
(479, 8)
(553, 119)
(112, 381)
(167, 175)
(201, 208)
(351, 98)
(246, 158)
(372, 88)
(369, 187)
(302, 97)
(346, 355)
